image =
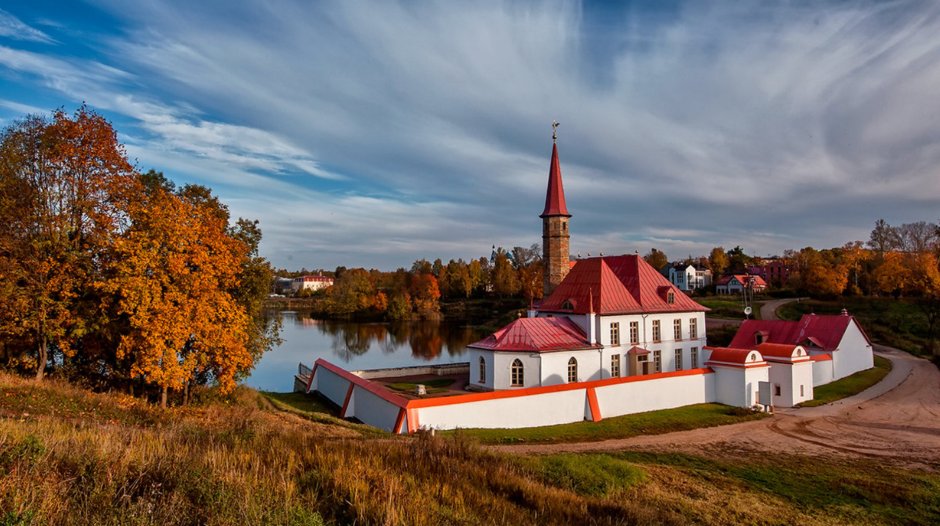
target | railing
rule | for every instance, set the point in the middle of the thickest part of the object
(303, 371)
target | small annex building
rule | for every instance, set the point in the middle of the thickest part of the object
(836, 344)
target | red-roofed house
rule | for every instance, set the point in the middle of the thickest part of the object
(839, 337)
(736, 283)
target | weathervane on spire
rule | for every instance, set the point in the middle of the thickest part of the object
(555, 125)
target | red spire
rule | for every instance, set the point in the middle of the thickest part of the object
(555, 197)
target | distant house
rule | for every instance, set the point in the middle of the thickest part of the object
(837, 345)
(313, 283)
(775, 271)
(282, 285)
(689, 277)
(737, 282)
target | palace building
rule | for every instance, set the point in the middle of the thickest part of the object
(611, 337)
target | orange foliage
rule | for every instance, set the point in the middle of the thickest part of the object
(172, 273)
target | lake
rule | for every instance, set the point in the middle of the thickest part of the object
(356, 346)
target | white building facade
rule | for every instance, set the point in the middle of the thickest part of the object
(688, 277)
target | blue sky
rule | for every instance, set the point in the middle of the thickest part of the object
(373, 134)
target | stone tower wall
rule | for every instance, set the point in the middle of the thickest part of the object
(555, 252)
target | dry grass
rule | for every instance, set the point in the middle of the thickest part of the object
(70, 457)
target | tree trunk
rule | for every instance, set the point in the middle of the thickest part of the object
(43, 355)
(163, 397)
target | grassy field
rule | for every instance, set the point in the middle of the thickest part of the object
(850, 385)
(650, 423)
(71, 457)
(729, 307)
(895, 322)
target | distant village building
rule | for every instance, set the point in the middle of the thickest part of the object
(612, 337)
(775, 271)
(689, 277)
(312, 283)
(738, 282)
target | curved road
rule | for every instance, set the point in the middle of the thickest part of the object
(898, 419)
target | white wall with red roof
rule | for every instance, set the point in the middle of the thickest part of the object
(822, 369)
(853, 354)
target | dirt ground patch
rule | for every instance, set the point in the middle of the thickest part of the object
(896, 420)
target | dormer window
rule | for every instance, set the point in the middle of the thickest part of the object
(567, 305)
(758, 338)
(670, 297)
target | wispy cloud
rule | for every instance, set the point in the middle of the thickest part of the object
(426, 128)
(13, 27)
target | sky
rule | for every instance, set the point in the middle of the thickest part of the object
(376, 133)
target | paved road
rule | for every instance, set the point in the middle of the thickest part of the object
(897, 420)
(768, 310)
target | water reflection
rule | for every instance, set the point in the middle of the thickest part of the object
(426, 339)
(358, 346)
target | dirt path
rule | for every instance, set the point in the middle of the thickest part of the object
(897, 420)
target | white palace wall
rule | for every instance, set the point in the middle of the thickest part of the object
(537, 406)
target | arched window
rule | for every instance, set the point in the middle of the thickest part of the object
(572, 370)
(567, 305)
(518, 378)
(482, 370)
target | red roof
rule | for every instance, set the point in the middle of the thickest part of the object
(537, 335)
(732, 355)
(824, 332)
(555, 196)
(782, 351)
(617, 285)
(742, 279)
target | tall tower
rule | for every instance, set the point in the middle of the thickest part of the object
(554, 224)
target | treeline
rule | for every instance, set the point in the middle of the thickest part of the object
(416, 293)
(118, 279)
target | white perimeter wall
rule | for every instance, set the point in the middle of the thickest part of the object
(520, 411)
(822, 372)
(854, 353)
(562, 407)
(652, 395)
(363, 405)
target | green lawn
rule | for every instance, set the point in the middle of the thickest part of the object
(433, 386)
(850, 385)
(730, 307)
(650, 423)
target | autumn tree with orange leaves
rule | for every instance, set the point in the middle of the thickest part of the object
(111, 271)
(61, 182)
